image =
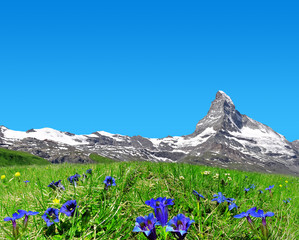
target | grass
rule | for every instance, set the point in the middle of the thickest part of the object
(13, 158)
(111, 214)
(100, 159)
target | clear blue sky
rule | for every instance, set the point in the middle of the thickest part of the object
(147, 68)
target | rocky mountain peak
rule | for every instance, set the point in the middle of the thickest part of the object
(222, 115)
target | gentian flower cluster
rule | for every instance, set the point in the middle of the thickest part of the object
(147, 224)
(269, 188)
(221, 198)
(198, 196)
(15, 216)
(51, 215)
(287, 200)
(74, 179)
(56, 185)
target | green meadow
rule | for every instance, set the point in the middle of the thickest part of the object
(111, 213)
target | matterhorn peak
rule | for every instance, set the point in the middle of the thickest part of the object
(220, 95)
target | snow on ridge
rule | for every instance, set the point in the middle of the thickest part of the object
(226, 96)
(47, 134)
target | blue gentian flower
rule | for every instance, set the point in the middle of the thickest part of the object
(260, 192)
(89, 171)
(198, 195)
(232, 206)
(260, 213)
(26, 181)
(246, 190)
(269, 188)
(179, 225)
(287, 200)
(56, 185)
(27, 214)
(221, 198)
(13, 219)
(50, 216)
(69, 208)
(246, 214)
(109, 181)
(74, 179)
(146, 225)
(160, 207)
(252, 186)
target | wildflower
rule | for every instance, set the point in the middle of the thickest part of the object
(89, 171)
(27, 214)
(179, 225)
(260, 213)
(146, 225)
(109, 181)
(160, 207)
(216, 176)
(247, 215)
(226, 174)
(220, 198)
(287, 200)
(198, 195)
(269, 188)
(181, 177)
(69, 208)
(74, 179)
(206, 172)
(56, 201)
(260, 192)
(286, 181)
(50, 216)
(55, 185)
(232, 206)
(229, 178)
(15, 216)
(252, 186)
(17, 174)
(2, 177)
(246, 190)
(280, 185)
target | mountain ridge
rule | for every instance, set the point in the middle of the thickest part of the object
(224, 137)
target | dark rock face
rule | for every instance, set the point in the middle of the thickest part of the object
(223, 138)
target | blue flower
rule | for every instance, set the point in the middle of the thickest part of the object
(260, 192)
(50, 216)
(55, 185)
(89, 171)
(146, 225)
(69, 208)
(109, 181)
(27, 214)
(246, 214)
(74, 179)
(270, 187)
(26, 181)
(221, 198)
(198, 195)
(260, 213)
(246, 190)
(160, 207)
(287, 200)
(252, 186)
(232, 206)
(13, 219)
(179, 225)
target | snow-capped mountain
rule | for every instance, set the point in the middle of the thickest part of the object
(224, 138)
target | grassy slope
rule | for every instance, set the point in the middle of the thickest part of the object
(100, 159)
(12, 158)
(111, 214)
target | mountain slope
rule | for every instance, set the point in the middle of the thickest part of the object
(224, 137)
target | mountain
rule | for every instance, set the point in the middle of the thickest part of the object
(224, 137)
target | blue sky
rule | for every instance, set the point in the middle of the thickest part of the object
(148, 68)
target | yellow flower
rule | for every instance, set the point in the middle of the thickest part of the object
(2, 177)
(280, 185)
(286, 181)
(17, 174)
(56, 201)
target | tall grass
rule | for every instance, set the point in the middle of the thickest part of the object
(111, 214)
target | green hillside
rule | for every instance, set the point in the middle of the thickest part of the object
(100, 159)
(12, 158)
